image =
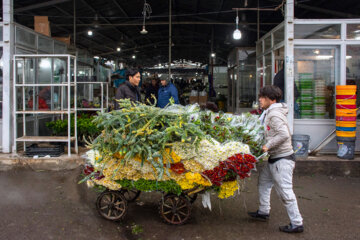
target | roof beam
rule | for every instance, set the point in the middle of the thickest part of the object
(107, 21)
(40, 5)
(120, 8)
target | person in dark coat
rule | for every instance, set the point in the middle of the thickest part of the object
(152, 89)
(129, 89)
(167, 91)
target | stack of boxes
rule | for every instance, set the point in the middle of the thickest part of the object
(306, 99)
(319, 98)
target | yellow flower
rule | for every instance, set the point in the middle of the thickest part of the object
(173, 155)
(227, 189)
(193, 166)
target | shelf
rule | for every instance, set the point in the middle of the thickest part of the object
(44, 139)
(45, 85)
(44, 112)
(90, 109)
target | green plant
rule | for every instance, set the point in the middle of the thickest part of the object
(85, 127)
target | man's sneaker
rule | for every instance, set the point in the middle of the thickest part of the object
(291, 229)
(258, 216)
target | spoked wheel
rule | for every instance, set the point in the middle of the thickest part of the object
(130, 195)
(175, 209)
(112, 205)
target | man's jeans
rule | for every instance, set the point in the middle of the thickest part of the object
(279, 174)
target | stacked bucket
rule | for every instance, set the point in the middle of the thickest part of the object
(346, 120)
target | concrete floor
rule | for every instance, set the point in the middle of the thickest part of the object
(51, 205)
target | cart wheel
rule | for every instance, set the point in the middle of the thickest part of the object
(112, 205)
(130, 195)
(175, 209)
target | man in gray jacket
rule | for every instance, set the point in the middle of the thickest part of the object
(278, 172)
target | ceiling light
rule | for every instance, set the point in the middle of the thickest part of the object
(118, 49)
(237, 33)
(143, 31)
(133, 56)
(324, 57)
(146, 15)
(348, 57)
(90, 33)
(213, 55)
(96, 57)
(317, 51)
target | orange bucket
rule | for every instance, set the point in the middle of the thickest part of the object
(346, 101)
(345, 134)
(346, 90)
(346, 112)
(345, 124)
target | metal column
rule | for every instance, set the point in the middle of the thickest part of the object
(8, 51)
(289, 61)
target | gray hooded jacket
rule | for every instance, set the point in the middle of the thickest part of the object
(277, 132)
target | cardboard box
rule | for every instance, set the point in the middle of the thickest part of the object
(63, 39)
(193, 99)
(202, 100)
(42, 25)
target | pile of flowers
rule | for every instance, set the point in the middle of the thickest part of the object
(171, 150)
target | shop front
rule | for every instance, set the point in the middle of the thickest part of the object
(326, 53)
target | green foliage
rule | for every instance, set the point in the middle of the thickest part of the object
(143, 185)
(145, 131)
(85, 126)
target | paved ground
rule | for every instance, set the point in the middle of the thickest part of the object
(51, 205)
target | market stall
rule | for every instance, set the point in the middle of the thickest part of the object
(326, 54)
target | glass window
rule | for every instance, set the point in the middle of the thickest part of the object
(268, 69)
(259, 48)
(59, 48)
(1, 79)
(267, 43)
(353, 31)
(1, 33)
(45, 45)
(26, 38)
(260, 72)
(246, 83)
(279, 36)
(316, 72)
(317, 31)
(353, 68)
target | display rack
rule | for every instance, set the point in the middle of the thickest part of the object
(104, 86)
(67, 89)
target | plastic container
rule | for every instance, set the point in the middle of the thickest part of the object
(345, 96)
(346, 90)
(346, 112)
(341, 118)
(301, 145)
(346, 149)
(346, 134)
(346, 123)
(346, 101)
(338, 106)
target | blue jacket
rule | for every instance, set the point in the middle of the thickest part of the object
(165, 93)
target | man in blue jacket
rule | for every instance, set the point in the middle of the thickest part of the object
(167, 91)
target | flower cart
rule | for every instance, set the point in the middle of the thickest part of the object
(179, 151)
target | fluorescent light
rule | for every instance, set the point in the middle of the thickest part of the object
(324, 57)
(96, 57)
(45, 63)
(317, 51)
(348, 57)
(118, 49)
(90, 33)
(237, 34)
